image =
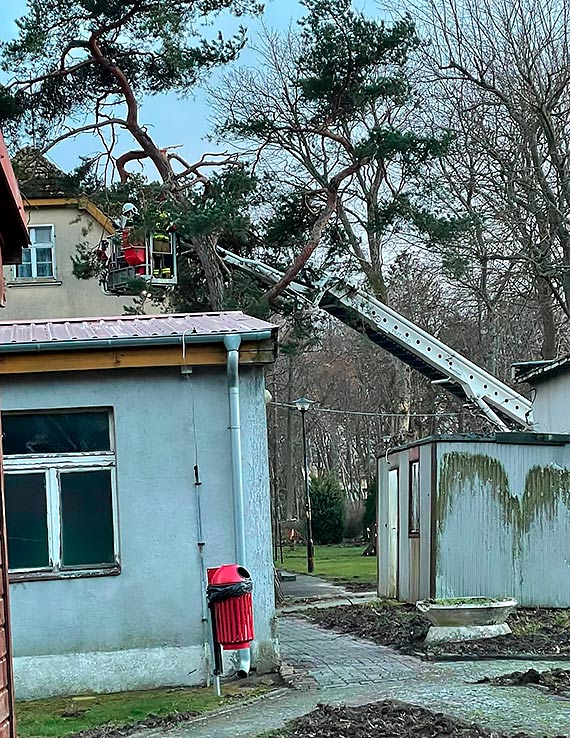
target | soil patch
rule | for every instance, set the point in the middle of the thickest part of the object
(154, 721)
(556, 681)
(386, 719)
(543, 632)
(354, 586)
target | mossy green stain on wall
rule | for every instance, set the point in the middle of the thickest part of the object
(545, 487)
(460, 470)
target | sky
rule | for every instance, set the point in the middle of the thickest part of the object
(171, 121)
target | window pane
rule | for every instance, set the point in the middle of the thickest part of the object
(24, 271)
(43, 255)
(40, 235)
(56, 433)
(415, 497)
(87, 518)
(26, 256)
(44, 270)
(26, 520)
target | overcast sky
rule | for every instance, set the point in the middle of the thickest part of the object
(169, 119)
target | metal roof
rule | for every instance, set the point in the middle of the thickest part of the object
(514, 437)
(85, 333)
(537, 371)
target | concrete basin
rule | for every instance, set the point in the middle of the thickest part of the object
(466, 618)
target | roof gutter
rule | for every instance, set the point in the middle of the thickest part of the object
(116, 343)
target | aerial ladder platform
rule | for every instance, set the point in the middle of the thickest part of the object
(505, 408)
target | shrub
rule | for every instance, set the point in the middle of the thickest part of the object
(327, 506)
(353, 525)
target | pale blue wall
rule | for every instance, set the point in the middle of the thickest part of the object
(551, 405)
(143, 627)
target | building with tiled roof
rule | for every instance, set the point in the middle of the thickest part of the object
(60, 218)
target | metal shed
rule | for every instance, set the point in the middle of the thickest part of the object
(469, 515)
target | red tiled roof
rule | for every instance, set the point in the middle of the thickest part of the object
(26, 335)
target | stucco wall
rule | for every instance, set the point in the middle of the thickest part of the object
(503, 522)
(143, 628)
(551, 406)
(65, 296)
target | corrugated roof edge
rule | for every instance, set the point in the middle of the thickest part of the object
(528, 439)
(111, 318)
(187, 332)
(533, 372)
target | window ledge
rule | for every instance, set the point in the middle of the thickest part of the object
(39, 576)
(35, 283)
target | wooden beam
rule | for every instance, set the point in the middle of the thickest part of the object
(208, 354)
(83, 203)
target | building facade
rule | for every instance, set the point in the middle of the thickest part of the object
(13, 238)
(44, 284)
(121, 491)
(60, 220)
(550, 384)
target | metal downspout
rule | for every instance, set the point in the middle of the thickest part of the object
(232, 344)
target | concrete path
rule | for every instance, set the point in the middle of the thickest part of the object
(334, 668)
(305, 586)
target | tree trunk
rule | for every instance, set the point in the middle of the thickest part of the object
(548, 348)
(205, 247)
(290, 500)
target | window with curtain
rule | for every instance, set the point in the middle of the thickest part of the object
(38, 260)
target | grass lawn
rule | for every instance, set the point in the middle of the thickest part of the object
(62, 716)
(338, 563)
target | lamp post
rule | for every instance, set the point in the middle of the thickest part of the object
(303, 404)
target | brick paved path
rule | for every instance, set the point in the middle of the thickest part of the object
(329, 667)
(330, 659)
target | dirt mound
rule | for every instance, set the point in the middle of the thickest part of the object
(398, 626)
(554, 680)
(384, 720)
(539, 632)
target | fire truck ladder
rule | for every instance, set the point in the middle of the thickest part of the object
(505, 408)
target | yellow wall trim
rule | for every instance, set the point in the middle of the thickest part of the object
(131, 358)
(83, 203)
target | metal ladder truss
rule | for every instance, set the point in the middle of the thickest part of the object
(504, 407)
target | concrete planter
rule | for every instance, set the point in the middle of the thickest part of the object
(466, 618)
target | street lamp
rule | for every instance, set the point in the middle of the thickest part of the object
(303, 404)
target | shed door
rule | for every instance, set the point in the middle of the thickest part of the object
(7, 718)
(392, 533)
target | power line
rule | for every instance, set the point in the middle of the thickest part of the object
(367, 414)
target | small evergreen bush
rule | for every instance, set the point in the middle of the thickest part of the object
(328, 509)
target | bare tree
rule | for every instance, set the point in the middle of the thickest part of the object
(501, 82)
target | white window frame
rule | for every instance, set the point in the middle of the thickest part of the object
(52, 465)
(32, 249)
(414, 500)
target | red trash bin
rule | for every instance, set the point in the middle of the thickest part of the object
(230, 598)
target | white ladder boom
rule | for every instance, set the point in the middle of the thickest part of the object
(503, 406)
